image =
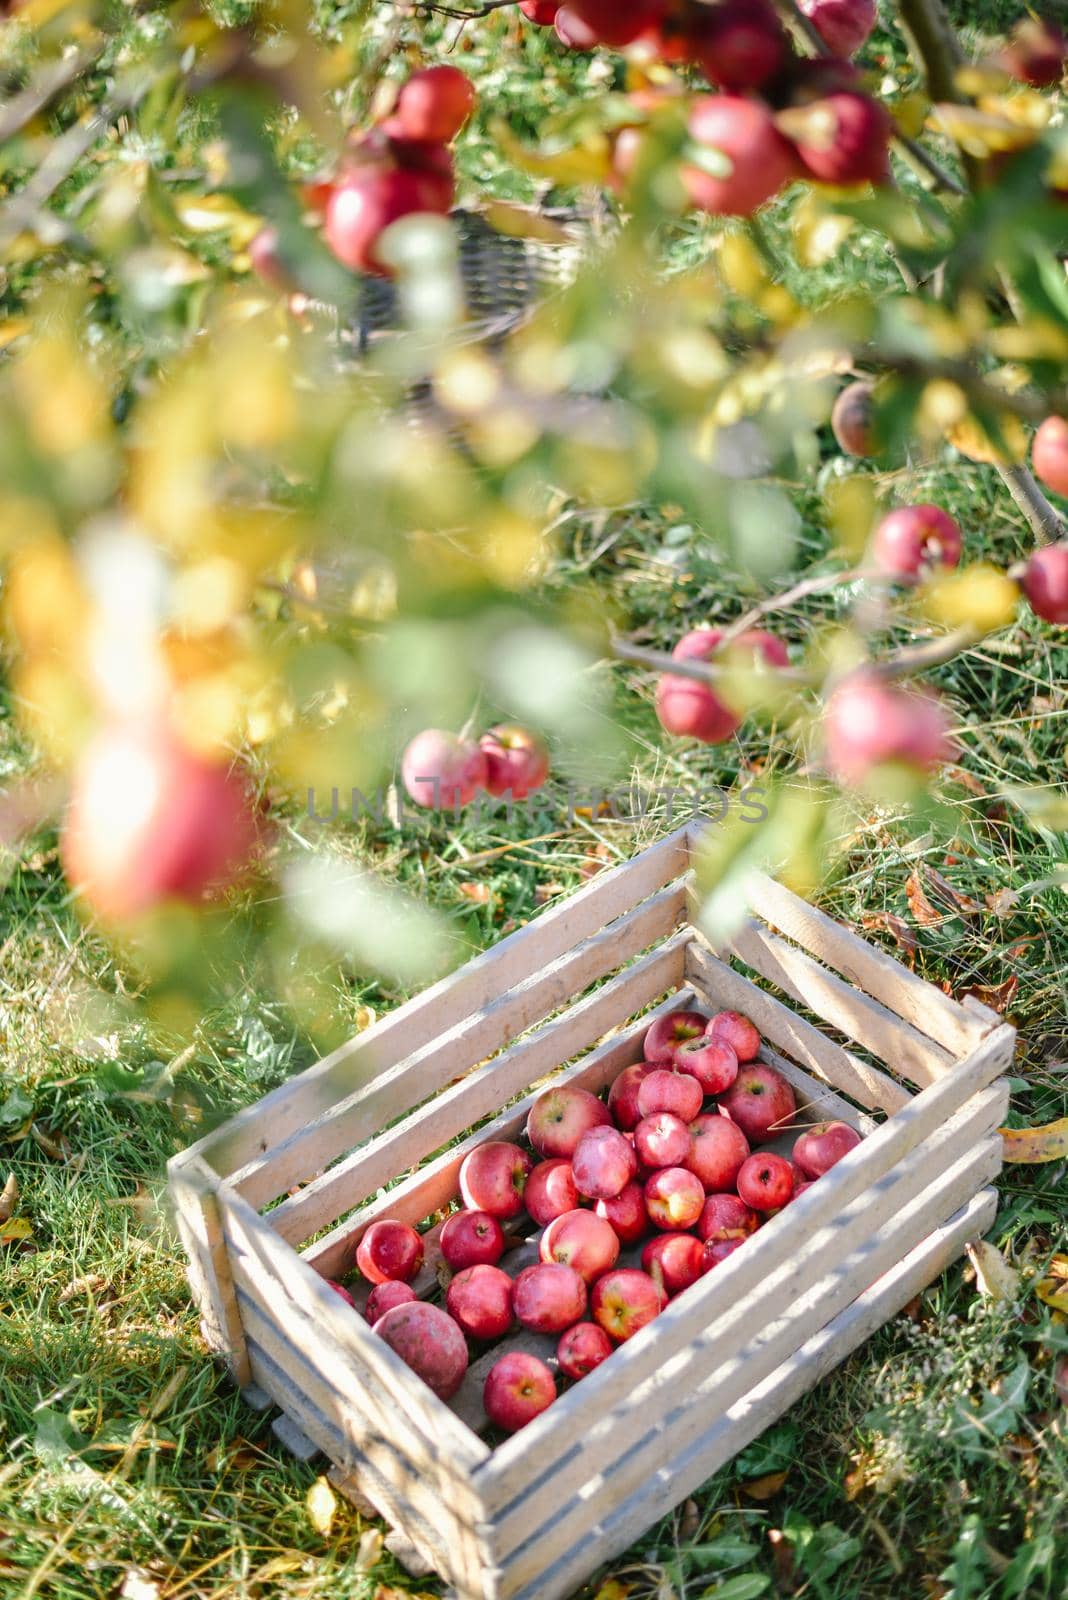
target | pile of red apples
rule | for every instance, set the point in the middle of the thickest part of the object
(637, 1196)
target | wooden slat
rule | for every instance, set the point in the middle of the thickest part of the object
(871, 969)
(371, 1106)
(898, 1044)
(435, 1185)
(311, 1093)
(737, 1349)
(545, 1439)
(293, 1294)
(192, 1187)
(682, 1471)
(722, 987)
(482, 1090)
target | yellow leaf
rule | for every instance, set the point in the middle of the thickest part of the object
(587, 162)
(979, 595)
(9, 1198)
(321, 1502)
(215, 213)
(765, 1488)
(524, 222)
(1053, 1290)
(1035, 1145)
(973, 441)
(612, 1589)
(15, 1229)
(996, 1278)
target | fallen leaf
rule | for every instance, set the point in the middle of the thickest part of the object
(321, 1502)
(922, 909)
(689, 1521)
(15, 1230)
(1003, 902)
(897, 927)
(369, 1549)
(766, 1487)
(943, 889)
(995, 1277)
(1032, 1146)
(92, 1284)
(997, 996)
(547, 891)
(612, 1589)
(479, 894)
(236, 1455)
(138, 1585)
(1053, 1290)
(56, 1145)
(9, 1198)
(1060, 1380)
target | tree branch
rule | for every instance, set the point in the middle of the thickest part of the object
(1047, 524)
(699, 671)
(934, 45)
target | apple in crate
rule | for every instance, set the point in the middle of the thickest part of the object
(582, 1348)
(389, 1249)
(518, 1388)
(429, 1341)
(716, 1152)
(679, 1258)
(677, 1092)
(667, 1033)
(766, 1182)
(550, 1191)
(717, 1250)
(603, 1164)
(674, 1198)
(493, 1178)
(583, 1240)
(760, 1102)
(737, 1031)
(725, 1216)
(549, 1297)
(662, 1140)
(384, 1296)
(624, 1301)
(559, 1118)
(480, 1300)
(711, 1061)
(623, 1096)
(471, 1239)
(819, 1147)
(340, 1290)
(626, 1212)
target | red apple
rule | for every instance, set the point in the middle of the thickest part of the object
(869, 723)
(718, 1250)
(819, 1147)
(623, 1096)
(265, 261)
(1035, 52)
(550, 1191)
(339, 1289)
(582, 1348)
(149, 821)
(442, 771)
(480, 1300)
(1045, 582)
(766, 1182)
(365, 202)
(625, 1300)
(760, 1102)
(664, 1090)
(559, 1117)
(743, 132)
(517, 761)
(583, 1240)
(540, 12)
(429, 1341)
(549, 1297)
(716, 1152)
(730, 1027)
(613, 24)
(843, 25)
(711, 1061)
(518, 1388)
(674, 1198)
(603, 1164)
(471, 1239)
(435, 103)
(844, 138)
(691, 709)
(572, 31)
(739, 44)
(662, 1140)
(384, 1296)
(725, 1217)
(389, 1249)
(626, 1212)
(853, 419)
(493, 1178)
(915, 539)
(679, 1259)
(666, 1034)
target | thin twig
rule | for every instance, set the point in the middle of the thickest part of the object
(465, 16)
(1047, 524)
(50, 81)
(699, 671)
(915, 658)
(789, 597)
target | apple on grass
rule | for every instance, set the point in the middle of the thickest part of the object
(517, 761)
(725, 1216)
(389, 1249)
(627, 1214)
(493, 1178)
(623, 1096)
(821, 1146)
(677, 1258)
(583, 1240)
(429, 1341)
(666, 1090)
(731, 1028)
(716, 1151)
(766, 1182)
(760, 1102)
(441, 770)
(674, 1198)
(384, 1296)
(666, 1035)
(662, 1140)
(559, 1117)
(480, 1300)
(550, 1191)
(603, 1164)
(549, 1297)
(624, 1301)
(471, 1239)
(711, 1061)
(517, 1389)
(582, 1348)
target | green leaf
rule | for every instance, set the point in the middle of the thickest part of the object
(15, 1108)
(746, 1586)
(722, 1553)
(966, 1574)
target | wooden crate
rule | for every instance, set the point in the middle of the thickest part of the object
(571, 996)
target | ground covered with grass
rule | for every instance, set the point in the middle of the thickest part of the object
(932, 1463)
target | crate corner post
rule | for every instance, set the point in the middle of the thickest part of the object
(194, 1190)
